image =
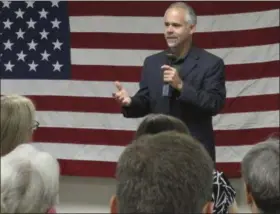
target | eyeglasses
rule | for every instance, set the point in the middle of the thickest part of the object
(35, 125)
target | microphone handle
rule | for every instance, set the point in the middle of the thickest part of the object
(166, 86)
(165, 90)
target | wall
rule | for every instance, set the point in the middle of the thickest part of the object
(92, 195)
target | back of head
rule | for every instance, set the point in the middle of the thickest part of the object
(29, 181)
(167, 172)
(260, 170)
(156, 123)
(17, 118)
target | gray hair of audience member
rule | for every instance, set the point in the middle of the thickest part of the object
(191, 16)
(17, 121)
(167, 172)
(156, 123)
(29, 181)
(260, 170)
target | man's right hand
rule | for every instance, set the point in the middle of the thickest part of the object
(121, 95)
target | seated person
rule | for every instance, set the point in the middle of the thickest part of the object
(223, 194)
(260, 171)
(29, 181)
(163, 173)
(17, 121)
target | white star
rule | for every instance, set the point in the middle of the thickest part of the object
(19, 13)
(21, 56)
(29, 4)
(9, 66)
(44, 34)
(57, 66)
(20, 34)
(43, 13)
(55, 3)
(31, 23)
(32, 66)
(45, 56)
(32, 45)
(55, 23)
(6, 4)
(57, 44)
(7, 24)
(8, 45)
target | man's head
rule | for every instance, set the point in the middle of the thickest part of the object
(163, 173)
(156, 123)
(180, 22)
(260, 170)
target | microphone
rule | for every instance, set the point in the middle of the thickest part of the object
(166, 87)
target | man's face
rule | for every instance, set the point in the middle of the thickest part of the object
(177, 30)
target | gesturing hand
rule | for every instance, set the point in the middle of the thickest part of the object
(121, 95)
(171, 76)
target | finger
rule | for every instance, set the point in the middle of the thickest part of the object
(118, 85)
(167, 72)
(167, 78)
(165, 67)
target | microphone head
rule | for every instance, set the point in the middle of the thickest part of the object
(170, 56)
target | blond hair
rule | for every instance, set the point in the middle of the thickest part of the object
(17, 118)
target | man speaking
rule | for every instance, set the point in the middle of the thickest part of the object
(183, 81)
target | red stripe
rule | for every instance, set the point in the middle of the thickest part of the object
(132, 74)
(269, 102)
(157, 8)
(108, 169)
(209, 40)
(109, 105)
(122, 138)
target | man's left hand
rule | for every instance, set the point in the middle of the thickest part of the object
(171, 76)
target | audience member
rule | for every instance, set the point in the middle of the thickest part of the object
(29, 181)
(163, 173)
(17, 121)
(260, 170)
(223, 194)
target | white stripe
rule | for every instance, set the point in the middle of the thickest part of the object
(112, 153)
(105, 89)
(128, 24)
(233, 121)
(123, 57)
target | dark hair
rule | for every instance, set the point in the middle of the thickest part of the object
(167, 172)
(156, 123)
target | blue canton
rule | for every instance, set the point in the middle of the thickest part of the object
(35, 40)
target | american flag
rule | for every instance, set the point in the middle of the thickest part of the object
(66, 56)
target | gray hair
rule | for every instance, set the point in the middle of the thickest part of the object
(191, 17)
(167, 172)
(29, 181)
(260, 170)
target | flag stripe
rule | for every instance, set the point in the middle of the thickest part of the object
(107, 169)
(109, 105)
(206, 40)
(122, 137)
(146, 8)
(105, 89)
(234, 121)
(151, 25)
(133, 73)
(111, 153)
(117, 57)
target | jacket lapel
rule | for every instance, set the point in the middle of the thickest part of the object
(190, 63)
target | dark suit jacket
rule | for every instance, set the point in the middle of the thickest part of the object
(203, 94)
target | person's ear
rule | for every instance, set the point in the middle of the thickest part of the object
(113, 205)
(208, 208)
